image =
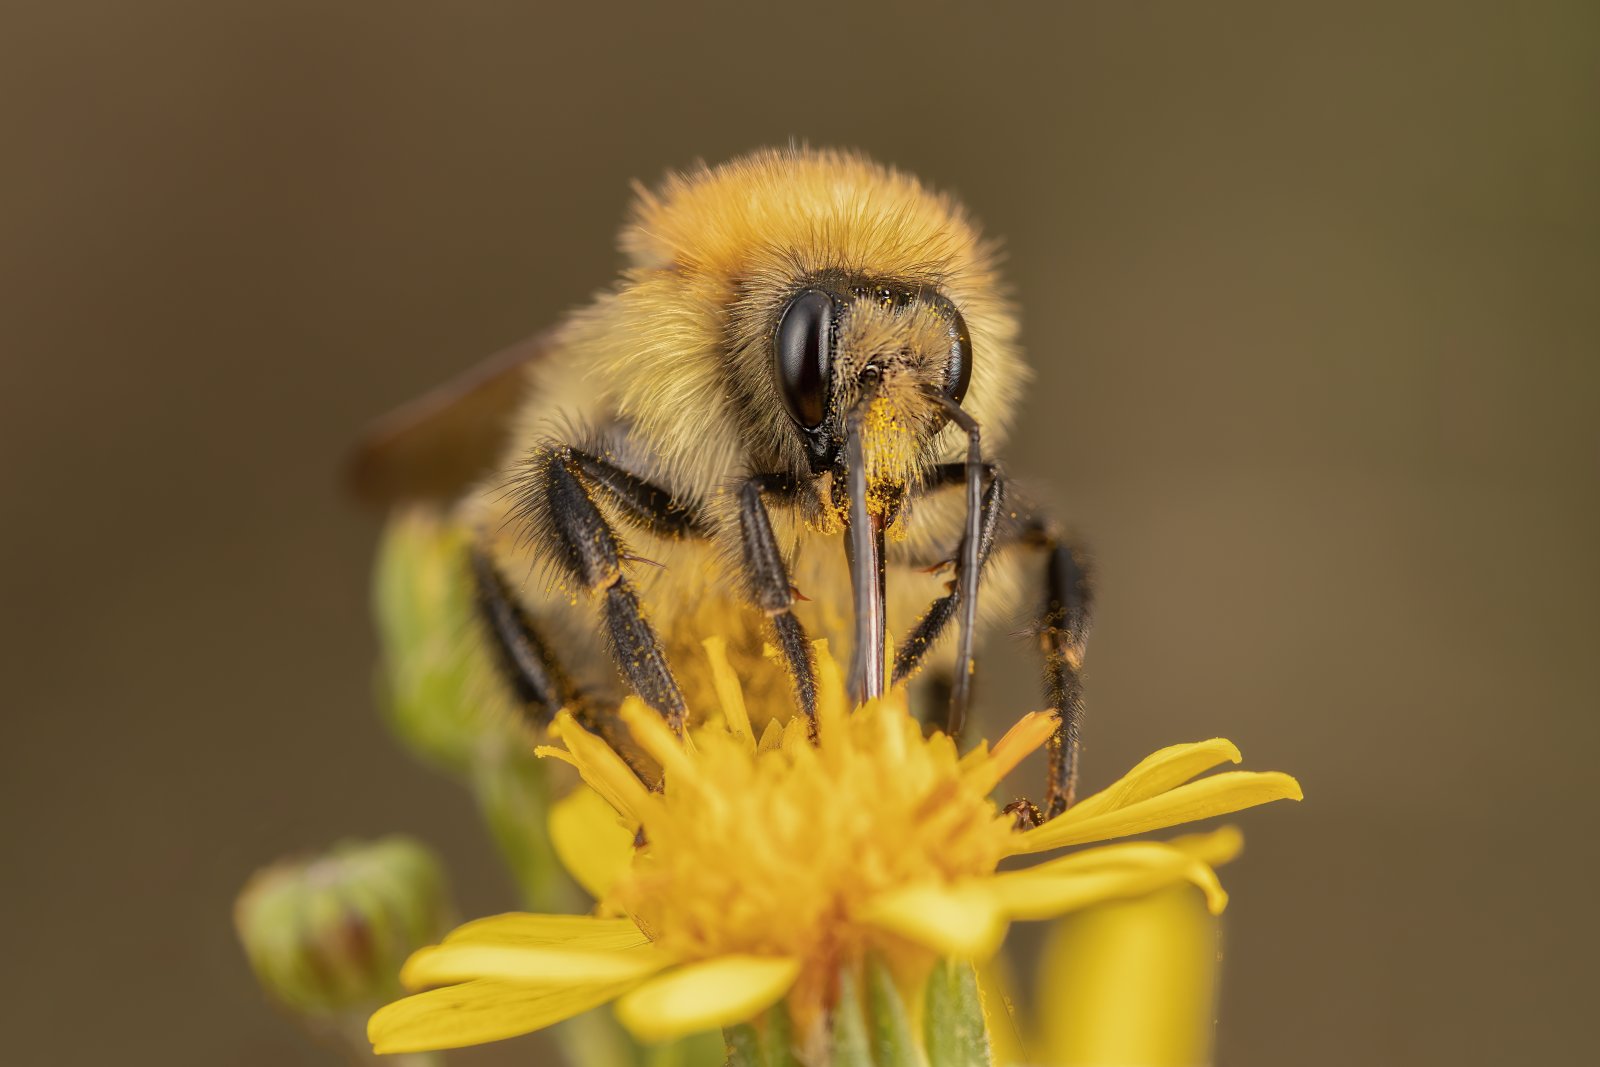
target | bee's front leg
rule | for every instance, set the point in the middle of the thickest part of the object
(560, 487)
(767, 584)
(914, 650)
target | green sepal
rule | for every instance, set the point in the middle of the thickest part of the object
(697, 1050)
(851, 1044)
(777, 1039)
(894, 1044)
(770, 1044)
(743, 1045)
(953, 1027)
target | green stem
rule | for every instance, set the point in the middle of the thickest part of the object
(513, 794)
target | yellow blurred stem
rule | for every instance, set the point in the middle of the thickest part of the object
(1131, 983)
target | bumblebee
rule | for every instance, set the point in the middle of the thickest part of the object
(780, 424)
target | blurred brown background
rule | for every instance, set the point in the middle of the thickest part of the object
(1313, 298)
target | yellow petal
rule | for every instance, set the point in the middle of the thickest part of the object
(1159, 772)
(1217, 795)
(1031, 731)
(593, 846)
(533, 966)
(604, 770)
(653, 734)
(771, 736)
(707, 995)
(1123, 854)
(476, 1012)
(796, 735)
(1035, 894)
(1220, 846)
(831, 705)
(960, 920)
(976, 756)
(730, 694)
(549, 931)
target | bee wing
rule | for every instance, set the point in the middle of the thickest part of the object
(436, 446)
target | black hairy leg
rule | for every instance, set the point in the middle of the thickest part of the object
(1063, 636)
(642, 503)
(1062, 631)
(532, 672)
(561, 488)
(767, 583)
(961, 597)
(1064, 621)
(536, 680)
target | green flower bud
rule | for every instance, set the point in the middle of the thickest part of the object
(433, 673)
(445, 699)
(328, 934)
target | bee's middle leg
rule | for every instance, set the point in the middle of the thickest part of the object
(1065, 618)
(534, 675)
(1063, 633)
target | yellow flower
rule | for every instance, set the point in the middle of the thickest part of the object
(769, 866)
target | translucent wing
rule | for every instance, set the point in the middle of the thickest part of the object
(436, 446)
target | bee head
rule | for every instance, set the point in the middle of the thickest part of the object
(853, 355)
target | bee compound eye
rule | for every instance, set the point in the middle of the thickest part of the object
(802, 351)
(958, 372)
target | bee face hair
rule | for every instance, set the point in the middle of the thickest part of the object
(844, 340)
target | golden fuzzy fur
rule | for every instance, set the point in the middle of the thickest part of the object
(678, 355)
